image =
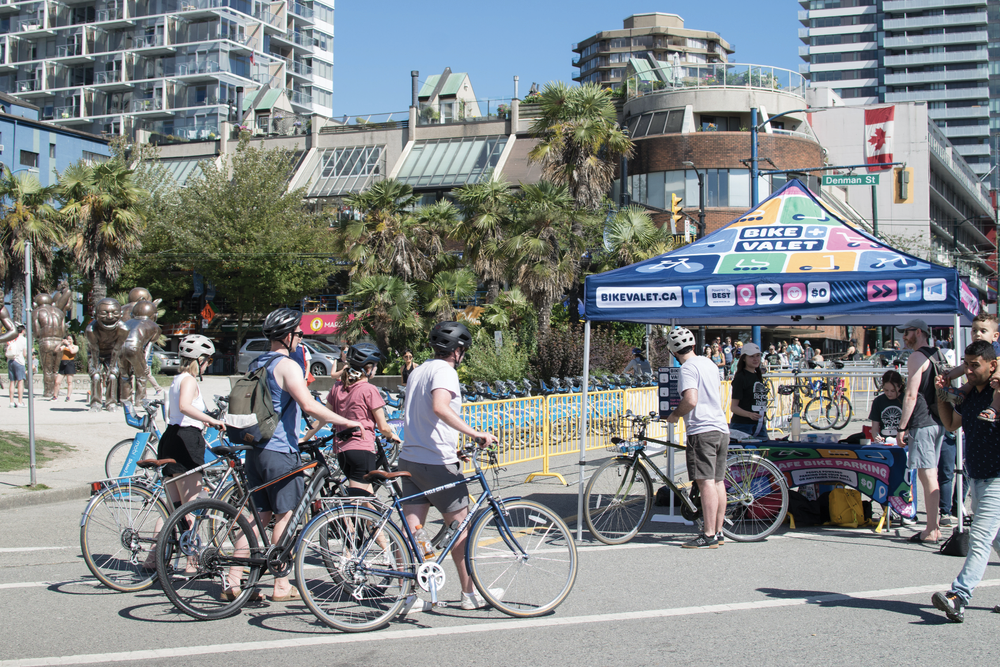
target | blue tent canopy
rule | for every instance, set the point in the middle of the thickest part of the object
(789, 260)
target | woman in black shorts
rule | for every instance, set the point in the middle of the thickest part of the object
(67, 366)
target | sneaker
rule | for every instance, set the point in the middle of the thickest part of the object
(474, 600)
(945, 520)
(951, 604)
(702, 542)
(13, 405)
(720, 538)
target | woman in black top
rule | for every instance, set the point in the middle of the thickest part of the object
(408, 366)
(749, 396)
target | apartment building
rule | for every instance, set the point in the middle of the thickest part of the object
(173, 67)
(896, 51)
(602, 58)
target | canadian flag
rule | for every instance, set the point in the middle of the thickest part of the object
(878, 138)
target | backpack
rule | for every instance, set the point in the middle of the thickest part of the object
(251, 418)
(939, 366)
(846, 508)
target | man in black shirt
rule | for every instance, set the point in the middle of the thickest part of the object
(982, 461)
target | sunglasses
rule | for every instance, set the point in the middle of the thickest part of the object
(906, 331)
(300, 334)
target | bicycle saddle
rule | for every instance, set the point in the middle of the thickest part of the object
(154, 463)
(230, 450)
(383, 475)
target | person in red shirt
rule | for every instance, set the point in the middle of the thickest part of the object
(356, 398)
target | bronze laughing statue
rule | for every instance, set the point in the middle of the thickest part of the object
(9, 330)
(105, 335)
(48, 320)
(142, 331)
(135, 295)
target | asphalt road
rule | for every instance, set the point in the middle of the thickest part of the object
(825, 596)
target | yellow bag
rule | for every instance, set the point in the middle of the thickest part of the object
(846, 509)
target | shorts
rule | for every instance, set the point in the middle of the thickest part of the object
(263, 465)
(67, 368)
(356, 463)
(15, 371)
(706, 455)
(183, 444)
(925, 447)
(431, 476)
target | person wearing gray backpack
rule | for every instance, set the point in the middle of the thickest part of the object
(274, 456)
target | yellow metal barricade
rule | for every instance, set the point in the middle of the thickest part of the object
(519, 424)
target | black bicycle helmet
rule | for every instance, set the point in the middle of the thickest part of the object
(362, 354)
(446, 336)
(281, 322)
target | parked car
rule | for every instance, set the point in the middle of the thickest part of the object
(324, 355)
(888, 357)
(169, 361)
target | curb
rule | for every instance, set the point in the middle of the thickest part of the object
(31, 498)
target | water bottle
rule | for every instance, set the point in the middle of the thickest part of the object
(796, 429)
(423, 543)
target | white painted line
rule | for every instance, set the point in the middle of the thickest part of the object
(44, 584)
(424, 633)
(8, 550)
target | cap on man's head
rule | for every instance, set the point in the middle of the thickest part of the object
(915, 324)
(807, 344)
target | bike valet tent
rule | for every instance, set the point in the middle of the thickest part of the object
(790, 260)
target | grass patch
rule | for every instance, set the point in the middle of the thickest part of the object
(36, 487)
(14, 453)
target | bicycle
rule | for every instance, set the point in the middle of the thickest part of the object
(217, 536)
(118, 527)
(619, 495)
(356, 568)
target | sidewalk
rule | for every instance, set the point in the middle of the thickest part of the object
(91, 434)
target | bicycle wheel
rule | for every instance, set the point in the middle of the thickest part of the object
(119, 454)
(846, 411)
(756, 498)
(118, 536)
(522, 559)
(350, 575)
(194, 552)
(821, 413)
(619, 497)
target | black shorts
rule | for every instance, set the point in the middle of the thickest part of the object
(67, 368)
(357, 463)
(263, 465)
(185, 445)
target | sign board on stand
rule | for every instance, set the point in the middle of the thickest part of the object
(668, 389)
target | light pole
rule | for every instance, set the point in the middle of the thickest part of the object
(701, 197)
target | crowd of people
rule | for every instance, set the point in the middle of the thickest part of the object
(725, 353)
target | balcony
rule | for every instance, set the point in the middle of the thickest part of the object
(298, 97)
(670, 79)
(68, 112)
(803, 33)
(197, 69)
(911, 5)
(975, 37)
(981, 149)
(146, 106)
(974, 18)
(966, 131)
(934, 77)
(271, 22)
(965, 112)
(111, 80)
(977, 55)
(200, 8)
(804, 17)
(301, 11)
(151, 44)
(297, 68)
(939, 95)
(804, 52)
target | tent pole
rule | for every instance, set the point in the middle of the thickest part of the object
(959, 446)
(583, 428)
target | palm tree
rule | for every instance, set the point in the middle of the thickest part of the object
(389, 236)
(486, 209)
(101, 204)
(445, 288)
(27, 216)
(581, 142)
(544, 251)
(631, 236)
(383, 307)
(507, 310)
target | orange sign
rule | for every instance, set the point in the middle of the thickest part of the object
(207, 313)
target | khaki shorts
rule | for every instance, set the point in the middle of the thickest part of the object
(423, 477)
(706, 455)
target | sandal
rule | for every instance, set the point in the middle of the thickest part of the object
(230, 594)
(292, 594)
(988, 415)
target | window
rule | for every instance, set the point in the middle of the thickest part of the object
(52, 150)
(322, 97)
(322, 70)
(323, 13)
(89, 157)
(29, 159)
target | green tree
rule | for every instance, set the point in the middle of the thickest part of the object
(631, 236)
(240, 227)
(485, 223)
(383, 307)
(508, 310)
(446, 287)
(580, 142)
(543, 250)
(27, 216)
(101, 205)
(388, 236)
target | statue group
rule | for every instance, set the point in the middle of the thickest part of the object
(118, 339)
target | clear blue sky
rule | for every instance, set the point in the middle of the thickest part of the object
(378, 43)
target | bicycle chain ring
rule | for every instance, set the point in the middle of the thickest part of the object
(275, 565)
(429, 573)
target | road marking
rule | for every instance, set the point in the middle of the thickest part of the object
(44, 584)
(13, 549)
(508, 625)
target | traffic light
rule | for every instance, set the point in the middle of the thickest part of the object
(902, 185)
(675, 208)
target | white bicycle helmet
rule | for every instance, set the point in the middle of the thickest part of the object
(680, 338)
(194, 346)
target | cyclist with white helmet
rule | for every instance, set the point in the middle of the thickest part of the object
(356, 398)
(183, 440)
(433, 422)
(706, 431)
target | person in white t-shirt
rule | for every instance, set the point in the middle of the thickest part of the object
(707, 434)
(433, 422)
(16, 352)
